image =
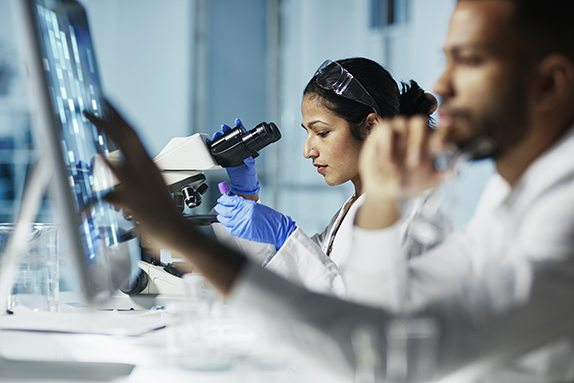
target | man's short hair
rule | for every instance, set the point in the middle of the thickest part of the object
(546, 26)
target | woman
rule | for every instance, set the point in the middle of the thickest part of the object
(341, 103)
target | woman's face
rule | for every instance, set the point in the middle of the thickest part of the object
(329, 143)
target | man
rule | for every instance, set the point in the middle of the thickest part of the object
(504, 87)
(508, 83)
(512, 287)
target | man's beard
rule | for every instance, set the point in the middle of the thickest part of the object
(507, 126)
(502, 127)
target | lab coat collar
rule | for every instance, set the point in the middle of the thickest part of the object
(553, 166)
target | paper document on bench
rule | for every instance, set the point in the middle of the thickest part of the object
(123, 323)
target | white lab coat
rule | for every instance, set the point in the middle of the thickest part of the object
(505, 279)
(491, 264)
(303, 259)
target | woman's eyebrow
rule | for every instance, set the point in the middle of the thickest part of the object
(312, 123)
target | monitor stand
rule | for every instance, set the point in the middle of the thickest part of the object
(9, 263)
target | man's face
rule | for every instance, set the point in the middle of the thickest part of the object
(483, 87)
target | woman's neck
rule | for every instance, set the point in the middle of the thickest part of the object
(358, 185)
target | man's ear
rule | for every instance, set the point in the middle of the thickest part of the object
(555, 82)
(372, 120)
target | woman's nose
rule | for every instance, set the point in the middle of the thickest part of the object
(308, 149)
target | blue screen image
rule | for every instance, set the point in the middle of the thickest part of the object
(69, 63)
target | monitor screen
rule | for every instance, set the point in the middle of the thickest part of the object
(61, 48)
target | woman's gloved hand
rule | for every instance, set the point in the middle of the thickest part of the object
(250, 220)
(243, 178)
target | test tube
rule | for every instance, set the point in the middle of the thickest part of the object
(223, 188)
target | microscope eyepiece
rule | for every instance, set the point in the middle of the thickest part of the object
(231, 148)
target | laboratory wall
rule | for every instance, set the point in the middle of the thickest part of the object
(144, 50)
(182, 66)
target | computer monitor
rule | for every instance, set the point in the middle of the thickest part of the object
(62, 73)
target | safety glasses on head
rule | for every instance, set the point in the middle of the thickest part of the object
(333, 77)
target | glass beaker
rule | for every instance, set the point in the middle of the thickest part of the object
(412, 349)
(198, 333)
(36, 283)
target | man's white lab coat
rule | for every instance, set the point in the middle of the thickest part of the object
(507, 276)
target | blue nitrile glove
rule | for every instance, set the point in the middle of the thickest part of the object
(253, 221)
(243, 178)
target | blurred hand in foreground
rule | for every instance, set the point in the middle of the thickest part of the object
(396, 163)
(142, 189)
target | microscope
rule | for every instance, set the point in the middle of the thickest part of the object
(182, 164)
